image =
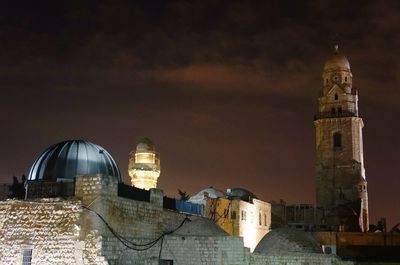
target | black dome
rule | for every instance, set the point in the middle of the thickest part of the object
(240, 193)
(68, 159)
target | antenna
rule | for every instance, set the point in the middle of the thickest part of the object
(335, 40)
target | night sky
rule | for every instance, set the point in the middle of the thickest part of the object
(227, 90)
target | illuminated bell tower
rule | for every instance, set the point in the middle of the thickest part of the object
(340, 182)
(144, 165)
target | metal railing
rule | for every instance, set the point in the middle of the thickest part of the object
(327, 115)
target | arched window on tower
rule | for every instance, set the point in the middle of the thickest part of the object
(337, 140)
(336, 97)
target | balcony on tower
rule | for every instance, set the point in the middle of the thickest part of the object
(144, 165)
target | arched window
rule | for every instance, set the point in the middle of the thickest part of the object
(336, 97)
(333, 111)
(339, 110)
(337, 140)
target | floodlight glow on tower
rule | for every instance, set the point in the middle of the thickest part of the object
(144, 165)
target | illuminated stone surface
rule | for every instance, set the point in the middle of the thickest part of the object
(237, 212)
(144, 165)
(51, 228)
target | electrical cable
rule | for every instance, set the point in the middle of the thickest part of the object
(132, 245)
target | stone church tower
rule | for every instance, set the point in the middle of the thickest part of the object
(341, 184)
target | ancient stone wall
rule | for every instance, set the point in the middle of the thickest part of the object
(80, 232)
(142, 222)
(343, 239)
(50, 228)
(297, 259)
(182, 250)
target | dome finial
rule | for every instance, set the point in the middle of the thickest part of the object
(336, 47)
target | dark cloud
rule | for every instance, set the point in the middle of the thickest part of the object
(227, 89)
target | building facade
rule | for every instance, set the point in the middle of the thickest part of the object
(341, 186)
(305, 217)
(238, 212)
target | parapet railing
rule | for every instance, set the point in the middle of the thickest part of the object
(327, 115)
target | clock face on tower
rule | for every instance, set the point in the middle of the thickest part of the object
(336, 78)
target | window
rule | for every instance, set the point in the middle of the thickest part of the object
(265, 219)
(337, 140)
(336, 97)
(27, 257)
(339, 110)
(345, 78)
(243, 215)
(333, 111)
(233, 215)
(259, 219)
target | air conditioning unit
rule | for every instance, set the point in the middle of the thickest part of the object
(329, 249)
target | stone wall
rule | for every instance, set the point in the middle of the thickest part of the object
(50, 228)
(183, 250)
(343, 239)
(142, 222)
(65, 232)
(297, 259)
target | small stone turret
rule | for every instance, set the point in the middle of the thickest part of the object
(144, 165)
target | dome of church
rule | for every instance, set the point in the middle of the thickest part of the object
(240, 193)
(337, 62)
(66, 160)
(145, 145)
(288, 240)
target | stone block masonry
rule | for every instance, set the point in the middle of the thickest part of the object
(50, 228)
(63, 231)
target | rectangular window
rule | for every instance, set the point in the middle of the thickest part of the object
(27, 257)
(233, 215)
(337, 140)
(243, 216)
(166, 262)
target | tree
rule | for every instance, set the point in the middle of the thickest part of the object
(183, 195)
(17, 189)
